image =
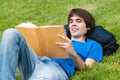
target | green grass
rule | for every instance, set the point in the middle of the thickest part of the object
(55, 12)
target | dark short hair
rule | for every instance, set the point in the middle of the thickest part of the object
(87, 17)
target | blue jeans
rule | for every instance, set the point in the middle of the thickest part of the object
(15, 52)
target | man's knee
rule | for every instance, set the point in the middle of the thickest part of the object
(10, 34)
(10, 31)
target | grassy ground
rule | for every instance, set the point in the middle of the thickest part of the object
(55, 12)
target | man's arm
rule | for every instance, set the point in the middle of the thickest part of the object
(78, 61)
(80, 64)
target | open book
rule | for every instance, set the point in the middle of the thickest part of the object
(43, 40)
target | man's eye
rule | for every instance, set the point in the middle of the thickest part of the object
(70, 21)
(79, 20)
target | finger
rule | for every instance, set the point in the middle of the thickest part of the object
(61, 36)
(63, 45)
(58, 43)
(65, 38)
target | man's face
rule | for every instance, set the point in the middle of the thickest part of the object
(77, 26)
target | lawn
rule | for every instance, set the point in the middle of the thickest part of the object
(55, 12)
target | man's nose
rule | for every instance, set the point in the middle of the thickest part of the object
(74, 22)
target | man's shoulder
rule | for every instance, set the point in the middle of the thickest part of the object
(93, 42)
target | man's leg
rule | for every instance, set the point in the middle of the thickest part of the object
(15, 52)
(46, 69)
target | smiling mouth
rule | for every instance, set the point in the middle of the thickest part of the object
(74, 29)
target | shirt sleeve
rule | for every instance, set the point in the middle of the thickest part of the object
(96, 52)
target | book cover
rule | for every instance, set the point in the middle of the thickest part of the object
(42, 40)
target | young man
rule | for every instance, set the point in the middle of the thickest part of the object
(83, 52)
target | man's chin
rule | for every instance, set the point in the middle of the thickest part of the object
(76, 36)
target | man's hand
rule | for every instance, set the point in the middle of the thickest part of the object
(67, 45)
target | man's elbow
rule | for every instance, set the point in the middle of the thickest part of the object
(83, 67)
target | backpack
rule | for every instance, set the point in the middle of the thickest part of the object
(102, 36)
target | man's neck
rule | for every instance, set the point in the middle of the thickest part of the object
(81, 38)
